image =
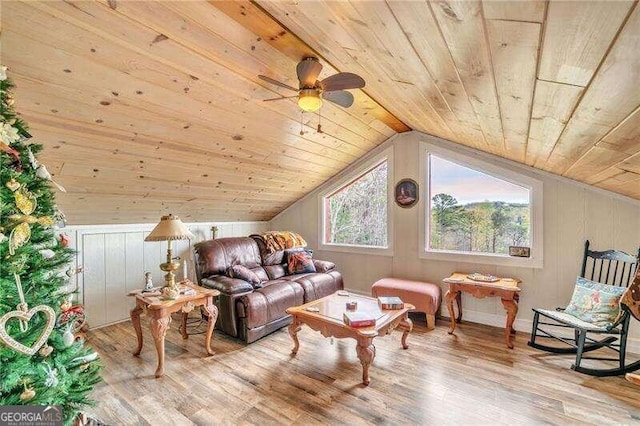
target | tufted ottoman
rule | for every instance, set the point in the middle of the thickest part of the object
(424, 296)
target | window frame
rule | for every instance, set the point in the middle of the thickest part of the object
(361, 169)
(491, 167)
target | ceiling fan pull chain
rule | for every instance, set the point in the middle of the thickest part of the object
(319, 120)
(301, 125)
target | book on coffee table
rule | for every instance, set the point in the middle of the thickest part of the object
(390, 303)
(359, 319)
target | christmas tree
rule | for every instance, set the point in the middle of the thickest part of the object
(41, 361)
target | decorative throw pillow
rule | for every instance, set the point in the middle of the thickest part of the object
(595, 303)
(289, 252)
(631, 297)
(300, 262)
(246, 274)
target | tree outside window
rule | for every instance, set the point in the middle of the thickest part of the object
(473, 211)
(356, 214)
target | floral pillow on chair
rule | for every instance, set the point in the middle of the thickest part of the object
(595, 303)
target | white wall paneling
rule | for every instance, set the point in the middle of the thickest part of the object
(573, 212)
(115, 257)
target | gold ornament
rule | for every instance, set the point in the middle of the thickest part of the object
(13, 185)
(26, 316)
(45, 351)
(21, 233)
(27, 395)
(19, 236)
(65, 306)
(25, 202)
(45, 221)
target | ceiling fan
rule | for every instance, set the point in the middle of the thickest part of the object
(311, 91)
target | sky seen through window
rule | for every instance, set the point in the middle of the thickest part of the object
(470, 186)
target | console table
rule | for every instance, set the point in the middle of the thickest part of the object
(505, 288)
(159, 311)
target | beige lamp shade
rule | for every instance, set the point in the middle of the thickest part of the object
(170, 228)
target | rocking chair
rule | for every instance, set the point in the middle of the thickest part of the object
(611, 267)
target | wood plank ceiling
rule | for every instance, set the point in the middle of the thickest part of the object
(147, 108)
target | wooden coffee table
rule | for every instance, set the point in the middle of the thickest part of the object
(505, 288)
(328, 320)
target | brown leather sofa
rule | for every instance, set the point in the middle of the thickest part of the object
(250, 313)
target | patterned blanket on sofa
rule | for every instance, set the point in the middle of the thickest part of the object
(281, 240)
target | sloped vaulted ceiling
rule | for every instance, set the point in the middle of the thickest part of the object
(153, 107)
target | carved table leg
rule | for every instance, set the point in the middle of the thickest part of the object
(449, 297)
(406, 325)
(516, 298)
(183, 325)
(512, 309)
(366, 353)
(135, 320)
(212, 310)
(294, 328)
(159, 328)
(459, 304)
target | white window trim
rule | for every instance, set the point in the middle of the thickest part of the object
(360, 169)
(503, 172)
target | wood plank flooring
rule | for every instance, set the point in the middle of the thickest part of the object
(469, 378)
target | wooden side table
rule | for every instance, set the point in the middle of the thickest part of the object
(506, 289)
(159, 311)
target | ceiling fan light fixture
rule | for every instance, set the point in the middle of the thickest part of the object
(309, 100)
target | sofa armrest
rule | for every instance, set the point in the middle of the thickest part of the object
(227, 285)
(323, 265)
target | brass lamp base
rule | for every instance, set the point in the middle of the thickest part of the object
(170, 290)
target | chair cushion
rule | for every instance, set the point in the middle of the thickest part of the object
(565, 318)
(595, 303)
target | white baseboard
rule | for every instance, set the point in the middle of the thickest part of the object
(520, 324)
(525, 326)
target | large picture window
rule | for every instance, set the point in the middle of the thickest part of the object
(480, 212)
(356, 211)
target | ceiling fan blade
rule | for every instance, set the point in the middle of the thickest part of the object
(308, 71)
(341, 81)
(340, 97)
(276, 82)
(277, 99)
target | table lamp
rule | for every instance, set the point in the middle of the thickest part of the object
(170, 228)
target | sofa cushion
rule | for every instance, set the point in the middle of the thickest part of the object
(244, 273)
(268, 304)
(299, 263)
(268, 258)
(214, 257)
(261, 273)
(226, 285)
(275, 271)
(317, 285)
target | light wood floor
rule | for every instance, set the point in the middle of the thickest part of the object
(470, 378)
